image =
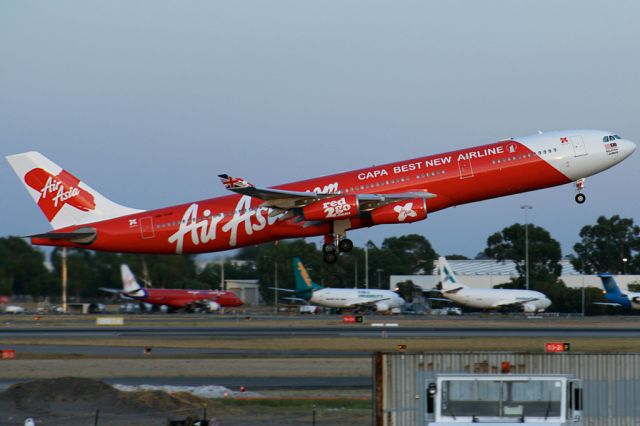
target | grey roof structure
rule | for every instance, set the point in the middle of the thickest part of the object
(491, 267)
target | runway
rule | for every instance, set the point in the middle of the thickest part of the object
(339, 332)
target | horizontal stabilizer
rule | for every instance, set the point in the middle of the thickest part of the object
(79, 236)
(453, 291)
(282, 289)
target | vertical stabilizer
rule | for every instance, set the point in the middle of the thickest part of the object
(610, 285)
(130, 286)
(304, 286)
(448, 279)
(64, 199)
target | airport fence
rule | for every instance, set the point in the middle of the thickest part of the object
(611, 382)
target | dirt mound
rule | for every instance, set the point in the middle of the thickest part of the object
(76, 395)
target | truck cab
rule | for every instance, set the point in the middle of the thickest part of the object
(510, 399)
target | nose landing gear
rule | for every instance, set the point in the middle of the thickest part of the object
(580, 197)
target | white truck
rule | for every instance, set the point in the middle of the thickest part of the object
(505, 399)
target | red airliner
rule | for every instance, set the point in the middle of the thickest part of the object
(190, 300)
(401, 192)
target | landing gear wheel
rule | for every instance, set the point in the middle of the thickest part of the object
(345, 245)
(328, 248)
(581, 198)
(330, 257)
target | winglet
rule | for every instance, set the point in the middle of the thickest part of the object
(234, 183)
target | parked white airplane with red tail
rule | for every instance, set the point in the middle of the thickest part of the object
(401, 192)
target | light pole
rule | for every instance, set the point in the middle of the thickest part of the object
(526, 209)
(582, 273)
(275, 262)
(366, 267)
(222, 283)
(378, 271)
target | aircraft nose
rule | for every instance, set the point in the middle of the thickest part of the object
(626, 147)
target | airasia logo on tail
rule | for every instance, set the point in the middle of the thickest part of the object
(58, 190)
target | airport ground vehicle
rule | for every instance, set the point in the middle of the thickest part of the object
(506, 399)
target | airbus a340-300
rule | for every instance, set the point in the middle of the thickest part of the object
(401, 192)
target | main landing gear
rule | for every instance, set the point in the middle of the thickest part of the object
(580, 197)
(330, 249)
(336, 242)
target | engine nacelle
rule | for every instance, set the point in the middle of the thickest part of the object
(340, 207)
(212, 306)
(382, 306)
(529, 308)
(405, 211)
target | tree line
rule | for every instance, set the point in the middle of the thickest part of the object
(610, 245)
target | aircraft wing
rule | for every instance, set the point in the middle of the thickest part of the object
(440, 299)
(284, 200)
(366, 304)
(453, 291)
(608, 304)
(297, 299)
(515, 304)
(119, 292)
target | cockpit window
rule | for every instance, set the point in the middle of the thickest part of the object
(605, 139)
(616, 137)
(610, 138)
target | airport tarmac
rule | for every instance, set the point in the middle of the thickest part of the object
(273, 351)
(290, 355)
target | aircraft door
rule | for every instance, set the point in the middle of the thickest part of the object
(579, 148)
(146, 228)
(466, 170)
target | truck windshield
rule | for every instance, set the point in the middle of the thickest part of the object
(483, 398)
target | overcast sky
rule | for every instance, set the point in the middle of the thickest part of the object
(148, 101)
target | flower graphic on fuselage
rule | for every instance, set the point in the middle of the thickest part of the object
(405, 211)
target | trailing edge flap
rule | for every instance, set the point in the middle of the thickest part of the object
(79, 236)
(455, 290)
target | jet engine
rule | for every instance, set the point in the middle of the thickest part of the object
(212, 306)
(405, 211)
(340, 207)
(382, 306)
(529, 308)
